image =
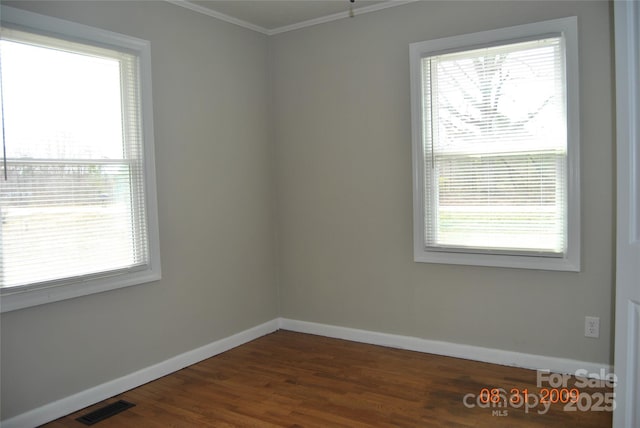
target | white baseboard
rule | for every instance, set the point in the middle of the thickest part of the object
(73, 403)
(467, 352)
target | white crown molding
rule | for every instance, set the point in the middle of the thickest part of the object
(221, 16)
(303, 24)
(340, 15)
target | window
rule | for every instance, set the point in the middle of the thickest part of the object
(77, 192)
(495, 136)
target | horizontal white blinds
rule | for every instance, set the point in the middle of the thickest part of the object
(73, 204)
(495, 143)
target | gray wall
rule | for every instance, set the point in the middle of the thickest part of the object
(215, 192)
(342, 121)
(328, 213)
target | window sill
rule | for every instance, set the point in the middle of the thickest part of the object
(567, 263)
(23, 298)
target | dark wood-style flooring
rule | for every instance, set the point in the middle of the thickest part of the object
(288, 379)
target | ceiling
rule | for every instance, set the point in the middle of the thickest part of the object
(277, 16)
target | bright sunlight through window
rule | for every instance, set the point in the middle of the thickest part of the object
(493, 136)
(495, 142)
(72, 205)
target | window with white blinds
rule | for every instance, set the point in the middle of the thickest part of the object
(74, 193)
(497, 170)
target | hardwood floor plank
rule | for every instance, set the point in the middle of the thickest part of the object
(289, 379)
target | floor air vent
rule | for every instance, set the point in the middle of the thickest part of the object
(105, 412)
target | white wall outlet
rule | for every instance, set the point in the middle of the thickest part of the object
(592, 326)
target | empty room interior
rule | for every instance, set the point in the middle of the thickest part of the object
(307, 188)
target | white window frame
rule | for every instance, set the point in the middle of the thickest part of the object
(26, 296)
(570, 258)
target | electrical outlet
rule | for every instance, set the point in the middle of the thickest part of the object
(592, 326)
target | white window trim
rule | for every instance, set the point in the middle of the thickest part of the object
(571, 258)
(23, 297)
